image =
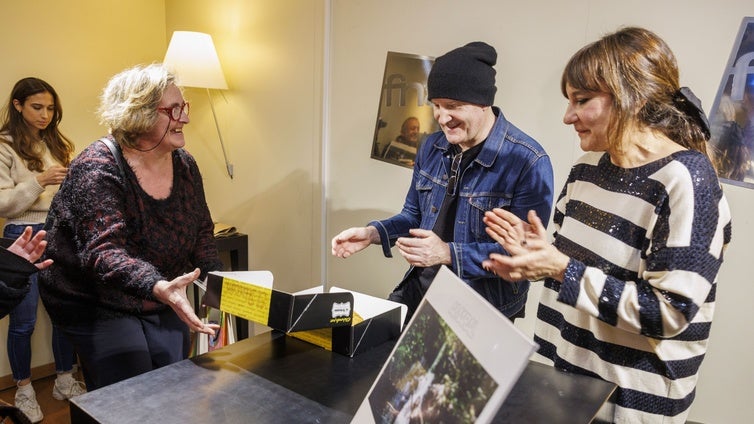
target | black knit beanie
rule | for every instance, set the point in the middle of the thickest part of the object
(465, 74)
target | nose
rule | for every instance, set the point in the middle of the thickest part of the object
(570, 115)
(442, 116)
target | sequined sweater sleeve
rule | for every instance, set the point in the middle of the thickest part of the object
(645, 244)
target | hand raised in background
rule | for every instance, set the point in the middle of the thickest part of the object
(31, 248)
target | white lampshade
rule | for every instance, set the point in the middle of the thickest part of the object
(192, 56)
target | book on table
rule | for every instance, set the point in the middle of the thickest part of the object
(456, 361)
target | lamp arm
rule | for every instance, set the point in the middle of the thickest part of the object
(228, 165)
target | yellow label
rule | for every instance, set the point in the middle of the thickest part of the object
(245, 300)
(321, 337)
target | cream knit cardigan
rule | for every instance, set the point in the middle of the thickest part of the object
(22, 199)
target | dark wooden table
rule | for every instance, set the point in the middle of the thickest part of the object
(275, 378)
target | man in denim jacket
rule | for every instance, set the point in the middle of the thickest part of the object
(479, 161)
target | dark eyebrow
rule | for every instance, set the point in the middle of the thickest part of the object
(582, 93)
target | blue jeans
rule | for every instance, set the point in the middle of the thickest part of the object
(23, 318)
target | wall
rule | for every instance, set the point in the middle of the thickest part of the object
(534, 40)
(50, 40)
(270, 119)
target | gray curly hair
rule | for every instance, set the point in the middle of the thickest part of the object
(128, 104)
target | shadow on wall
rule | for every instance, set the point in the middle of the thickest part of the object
(277, 242)
(289, 247)
(368, 271)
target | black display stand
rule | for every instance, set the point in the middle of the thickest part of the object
(275, 378)
(237, 248)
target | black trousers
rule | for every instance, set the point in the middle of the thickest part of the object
(116, 349)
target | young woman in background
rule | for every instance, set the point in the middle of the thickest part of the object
(34, 156)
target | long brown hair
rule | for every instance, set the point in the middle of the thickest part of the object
(20, 135)
(639, 71)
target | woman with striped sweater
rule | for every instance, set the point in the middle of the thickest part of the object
(640, 230)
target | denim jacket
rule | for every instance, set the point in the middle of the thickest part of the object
(512, 171)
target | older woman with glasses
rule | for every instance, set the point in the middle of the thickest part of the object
(128, 231)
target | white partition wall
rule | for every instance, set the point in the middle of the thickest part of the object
(534, 39)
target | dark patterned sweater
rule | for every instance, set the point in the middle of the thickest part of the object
(111, 241)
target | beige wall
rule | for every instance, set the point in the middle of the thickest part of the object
(270, 119)
(76, 47)
(534, 40)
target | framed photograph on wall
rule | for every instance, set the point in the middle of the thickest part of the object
(404, 117)
(732, 114)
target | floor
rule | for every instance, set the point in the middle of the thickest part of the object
(55, 411)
